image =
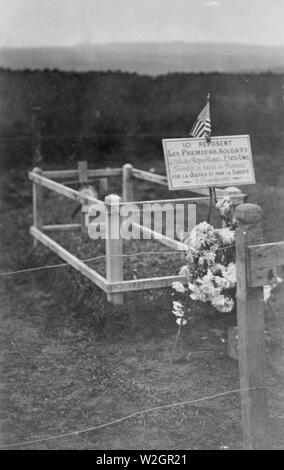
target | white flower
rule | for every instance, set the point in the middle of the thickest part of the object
(177, 304)
(177, 309)
(191, 255)
(209, 256)
(191, 286)
(217, 268)
(201, 235)
(181, 321)
(196, 292)
(228, 305)
(269, 288)
(278, 280)
(267, 292)
(223, 304)
(222, 282)
(229, 273)
(227, 235)
(178, 287)
(218, 301)
(224, 205)
(210, 290)
(184, 272)
(207, 280)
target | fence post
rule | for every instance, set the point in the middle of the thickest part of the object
(83, 172)
(83, 180)
(103, 186)
(37, 205)
(251, 332)
(36, 137)
(127, 183)
(114, 247)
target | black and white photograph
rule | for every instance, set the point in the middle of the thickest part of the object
(142, 227)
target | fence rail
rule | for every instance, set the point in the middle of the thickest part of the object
(262, 260)
(63, 174)
(62, 189)
(92, 275)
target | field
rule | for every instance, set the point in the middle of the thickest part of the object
(71, 361)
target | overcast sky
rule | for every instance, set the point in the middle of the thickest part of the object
(68, 22)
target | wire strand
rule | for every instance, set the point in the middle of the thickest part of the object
(123, 255)
(132, 415)
(139, 253)
(61, 265)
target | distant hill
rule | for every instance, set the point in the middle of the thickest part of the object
(148, 58)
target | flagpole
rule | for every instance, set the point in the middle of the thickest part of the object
(202, 128)
(208, 137)
(210, 204)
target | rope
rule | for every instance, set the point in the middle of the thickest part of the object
(132, 415)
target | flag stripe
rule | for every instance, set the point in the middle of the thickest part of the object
(202, 125)
(197, 127)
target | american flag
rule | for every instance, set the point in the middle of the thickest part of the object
(202, 125)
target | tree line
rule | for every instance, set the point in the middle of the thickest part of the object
(96, 114)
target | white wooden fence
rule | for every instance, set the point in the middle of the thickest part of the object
(113, 285)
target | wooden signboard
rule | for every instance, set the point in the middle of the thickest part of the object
(196, 163)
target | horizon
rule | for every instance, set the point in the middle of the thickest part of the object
(145, 42)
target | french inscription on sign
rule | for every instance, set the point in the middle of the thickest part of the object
(196, 163)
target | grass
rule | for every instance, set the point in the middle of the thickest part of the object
(70, 360)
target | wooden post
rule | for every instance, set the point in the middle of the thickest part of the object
(251, 332)
(83, 180)
(37, 205)
(114, 247)
(103, 186)
(83, 172)
(36, 137)
(127, 183)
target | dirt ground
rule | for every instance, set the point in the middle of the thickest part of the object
(70, 361)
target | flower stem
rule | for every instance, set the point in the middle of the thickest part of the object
(175, 344)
